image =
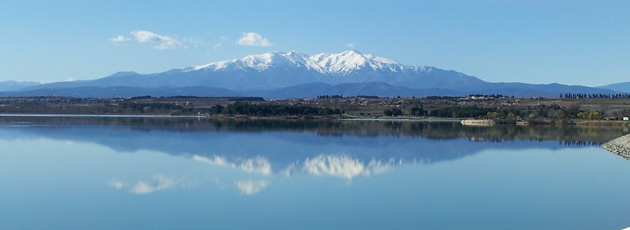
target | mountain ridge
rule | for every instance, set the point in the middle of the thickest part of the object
(623, 87)
(284, 69)
(16, 85)
(279, 73)
(324, 63)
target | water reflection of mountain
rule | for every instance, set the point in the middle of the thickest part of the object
(286, 146)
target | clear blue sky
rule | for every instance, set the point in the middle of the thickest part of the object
(534, 41)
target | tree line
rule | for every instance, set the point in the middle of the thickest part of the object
(528, 113)
(243, 108)
(329, 96)
(594, 95)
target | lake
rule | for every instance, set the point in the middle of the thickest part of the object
(195, 173)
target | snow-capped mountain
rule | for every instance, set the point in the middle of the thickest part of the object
(328, 64)
(294, 74)
(285, 69)
(350, 61)
(259, 62)
(325, 63)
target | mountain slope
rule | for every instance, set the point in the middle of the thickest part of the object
(621, 87)
(534, 90)
(284, 69)
(294, 74)
(16, 85)
(123, 91)
(380, 89)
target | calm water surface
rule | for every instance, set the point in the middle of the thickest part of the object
(165, 173)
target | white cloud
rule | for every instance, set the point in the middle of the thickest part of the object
(251, 187)
(163, 42)
(350, 45)
(118, 39)
(253, 39)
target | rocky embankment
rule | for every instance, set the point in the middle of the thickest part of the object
(619, 146)
(477, 122)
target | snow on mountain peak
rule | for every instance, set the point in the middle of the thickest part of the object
(337, 64)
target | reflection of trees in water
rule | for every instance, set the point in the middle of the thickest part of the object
(566, 135)
(560, 142)
(572, 135)
(581, 143)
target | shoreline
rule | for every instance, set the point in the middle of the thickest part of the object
(402, 119)
(619, 146)
(101, 115)
(586, 123)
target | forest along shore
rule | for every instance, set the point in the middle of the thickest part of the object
(588, 111)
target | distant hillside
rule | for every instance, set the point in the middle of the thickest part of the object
(621, 87)
(16, 85)
(295, 75)
(380, 89)
(108, 92)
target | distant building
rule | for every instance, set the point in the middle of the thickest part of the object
(477, 97)
(625, 118)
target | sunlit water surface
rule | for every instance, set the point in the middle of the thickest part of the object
(164, 173)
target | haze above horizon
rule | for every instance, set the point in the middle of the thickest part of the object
(585, 43)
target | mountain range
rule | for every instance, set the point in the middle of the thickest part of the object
(293, 74)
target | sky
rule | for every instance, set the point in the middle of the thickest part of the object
(532, 41)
